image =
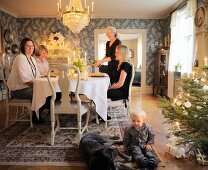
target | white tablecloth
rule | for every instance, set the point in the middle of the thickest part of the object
(95, 88)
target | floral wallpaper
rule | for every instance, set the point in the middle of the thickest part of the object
(9, 22)
(39, 30)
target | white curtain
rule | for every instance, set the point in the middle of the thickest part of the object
(182, 48)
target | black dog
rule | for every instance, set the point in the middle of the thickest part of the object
(99, 153)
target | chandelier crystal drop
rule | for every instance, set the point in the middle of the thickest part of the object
(75, 17)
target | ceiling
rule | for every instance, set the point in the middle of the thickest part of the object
(135, 9)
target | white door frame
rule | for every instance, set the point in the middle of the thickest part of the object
(142, 32)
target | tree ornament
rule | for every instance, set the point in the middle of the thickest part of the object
(178, 103)
(187, 104)
(185, 112)
(179, 96)
(203, 79)
(198, 107)
(205, 88)
(196, 81)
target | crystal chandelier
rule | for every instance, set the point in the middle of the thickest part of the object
(75, 17)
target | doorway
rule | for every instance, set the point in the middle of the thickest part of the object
(135, 40)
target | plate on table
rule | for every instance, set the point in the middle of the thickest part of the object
(98, 74)
(42, 76)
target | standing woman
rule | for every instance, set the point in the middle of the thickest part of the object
(110, 57)
(120, 89)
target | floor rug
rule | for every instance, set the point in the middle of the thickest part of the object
(22, 145)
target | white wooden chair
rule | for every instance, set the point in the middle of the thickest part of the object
(17, 103)
(66, 106)
(125, 103)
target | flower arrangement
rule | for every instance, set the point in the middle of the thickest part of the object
(80, 63)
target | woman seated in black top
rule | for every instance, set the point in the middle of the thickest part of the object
(120, 89)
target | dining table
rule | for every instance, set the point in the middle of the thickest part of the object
(95, 88)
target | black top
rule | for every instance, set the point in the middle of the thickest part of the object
(110, 52)
(128, 69)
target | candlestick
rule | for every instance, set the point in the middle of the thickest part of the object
(205, 61)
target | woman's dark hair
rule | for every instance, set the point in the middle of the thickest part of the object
(22, 45)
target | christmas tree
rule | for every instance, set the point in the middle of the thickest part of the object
(188, 111)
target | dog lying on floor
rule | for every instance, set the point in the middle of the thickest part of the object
(100, 154)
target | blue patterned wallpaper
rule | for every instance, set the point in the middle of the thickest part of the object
(40, 28)
(9, 22)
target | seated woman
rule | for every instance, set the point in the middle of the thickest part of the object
(120, 89)
(43, 67)
(24, 70)
(41, 61)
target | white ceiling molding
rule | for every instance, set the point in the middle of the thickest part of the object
(8, 11)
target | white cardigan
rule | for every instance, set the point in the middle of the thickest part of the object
(21, 73)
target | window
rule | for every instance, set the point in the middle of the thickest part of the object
(182, 44)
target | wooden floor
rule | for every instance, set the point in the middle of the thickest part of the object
(149, 104)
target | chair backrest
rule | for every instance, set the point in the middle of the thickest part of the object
(5, 85)
(64, 84)
(131, 82)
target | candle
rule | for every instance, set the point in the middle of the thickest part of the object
(3, 60)
(165, 41)
(205, 61)
(68, 60)
(178, 127)
(188, 75)
(9, 60)
(193, 74)
(58, 5)
(92, 6)
(174, 102)
(168, 40)
(88, 9)
(74, 53)
(85, 54)
(67, 8)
